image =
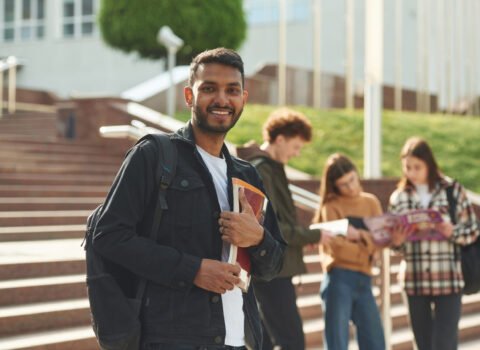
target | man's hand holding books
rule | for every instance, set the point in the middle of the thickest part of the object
(217, 276)
(243, 228)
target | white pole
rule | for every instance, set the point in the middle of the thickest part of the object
(426, 57)
(458, 51)
(398, 55)
(419, 65)
(448, 18)
(373, 86)
(171, 89)
(440, 50)
(317, 38)
(469, 45)
(373, 125)
(476, 38)
(350, 49)
(282, 53)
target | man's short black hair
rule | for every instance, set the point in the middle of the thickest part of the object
(219, 55)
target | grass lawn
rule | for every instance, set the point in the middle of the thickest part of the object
(455, 139)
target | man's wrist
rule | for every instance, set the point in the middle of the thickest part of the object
(261, 237)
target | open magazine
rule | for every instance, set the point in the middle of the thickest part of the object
(421, 223)
(258, 201)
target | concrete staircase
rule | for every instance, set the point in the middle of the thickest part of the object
(48, 186)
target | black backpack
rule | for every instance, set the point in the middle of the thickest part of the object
(115, 294)
(470, 254)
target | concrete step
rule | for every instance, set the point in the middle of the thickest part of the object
(60, 147)
(44, 218)
(53, 232)
(41, 268)
(52, 158)
(8, 204)
(41, 289)
(75, 338)
(108, 171)
(52, 191)
(37, 130)
(25, 123)
(26, 118)
(53, 179)
(57, 250)
(15, 320)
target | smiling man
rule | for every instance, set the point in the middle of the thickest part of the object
(191, 300)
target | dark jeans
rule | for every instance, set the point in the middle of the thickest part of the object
(435, 321)
(190, 347)
(282, 325)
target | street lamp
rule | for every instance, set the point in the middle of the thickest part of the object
(172, 42)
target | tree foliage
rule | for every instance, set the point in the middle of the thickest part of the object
(132, 25)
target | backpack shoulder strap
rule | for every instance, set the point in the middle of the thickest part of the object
(165, 172)
(452, 203)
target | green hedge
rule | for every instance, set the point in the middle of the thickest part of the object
(132, 25)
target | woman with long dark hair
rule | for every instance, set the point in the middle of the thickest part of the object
(432, 273)
(346, 289)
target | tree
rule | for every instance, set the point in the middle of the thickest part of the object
(132, 25)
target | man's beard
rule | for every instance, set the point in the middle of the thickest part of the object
(201, 121)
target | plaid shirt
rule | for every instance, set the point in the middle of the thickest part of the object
(434, 267)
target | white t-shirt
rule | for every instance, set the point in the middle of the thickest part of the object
(232, 300)
(424, 194)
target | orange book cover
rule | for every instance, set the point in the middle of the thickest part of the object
(258, 201)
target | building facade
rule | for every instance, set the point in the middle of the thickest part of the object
(61, 49)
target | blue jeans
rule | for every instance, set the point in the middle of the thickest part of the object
(347, 295)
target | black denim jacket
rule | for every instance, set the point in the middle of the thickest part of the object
(174, 309)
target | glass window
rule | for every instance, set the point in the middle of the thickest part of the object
(26, 33)
(8, 34)
(23, 20)
(40, 32)
(68, 8)
(87, 7)
(26, 9)
(9, 10)
(268, 11)
(40, 9)
(68, 30)
(87, 28)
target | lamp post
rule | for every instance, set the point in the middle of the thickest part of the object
(173, 43)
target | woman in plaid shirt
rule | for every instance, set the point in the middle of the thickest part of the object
(432, 276)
